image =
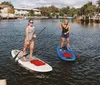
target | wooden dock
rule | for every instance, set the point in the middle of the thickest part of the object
(3, 82)
(89, 19)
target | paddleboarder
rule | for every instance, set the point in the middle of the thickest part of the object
(29, 39)
(65, 34)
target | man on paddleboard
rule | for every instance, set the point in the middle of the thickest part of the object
(65, 34)
(29, 39)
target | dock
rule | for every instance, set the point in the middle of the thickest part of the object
(89, 19)
(3, 82)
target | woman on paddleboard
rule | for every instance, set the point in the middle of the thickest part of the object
(29, 39)
(65, 34)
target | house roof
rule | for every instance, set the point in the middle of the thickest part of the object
(27, 9)
(3, 6)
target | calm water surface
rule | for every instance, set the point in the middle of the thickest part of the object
(84, 40)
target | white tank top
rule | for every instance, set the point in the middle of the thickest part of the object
(31, 32)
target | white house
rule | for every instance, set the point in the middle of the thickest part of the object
(25, 11)
(4, 11)
(37, 11)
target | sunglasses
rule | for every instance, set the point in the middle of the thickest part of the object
(31, 22)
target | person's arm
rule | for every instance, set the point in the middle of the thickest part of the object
(61, 26)
(68, 30)
(34, 34)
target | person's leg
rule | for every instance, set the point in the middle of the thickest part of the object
(67, 42)
(31, 48)
(24, 49)
(62, 42)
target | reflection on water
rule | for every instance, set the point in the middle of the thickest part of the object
(84, 40)
(89, 25)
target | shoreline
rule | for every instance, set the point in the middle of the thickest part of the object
(78, 19)
(37, 17)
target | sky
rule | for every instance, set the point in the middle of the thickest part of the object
(57, 3)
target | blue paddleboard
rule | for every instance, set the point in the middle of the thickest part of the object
(64, 54)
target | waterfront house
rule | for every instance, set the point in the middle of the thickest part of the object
(25, 11)
(4, 11)
(92, 17)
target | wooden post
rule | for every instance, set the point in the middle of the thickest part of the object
(3, 82)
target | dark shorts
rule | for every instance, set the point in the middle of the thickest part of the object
(65, 36)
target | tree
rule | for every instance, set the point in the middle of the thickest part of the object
(10, 10)
(52, 8)
(61, 13)
(78, 11)
(72, 12)
(90, 9)
(11, 7)
(87, 8)
(44, 11)
(65, 10)
(7, 3)
(98, 2)
(49, 11)
(31, 13)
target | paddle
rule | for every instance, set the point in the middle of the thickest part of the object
(29, 44)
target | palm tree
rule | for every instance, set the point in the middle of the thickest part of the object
(98, 2)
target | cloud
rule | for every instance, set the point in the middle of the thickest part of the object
(57, 3)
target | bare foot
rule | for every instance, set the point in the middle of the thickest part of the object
(31, 58)
(24, 58)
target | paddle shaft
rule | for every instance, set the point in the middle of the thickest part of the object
(30, 42)
(41, 31)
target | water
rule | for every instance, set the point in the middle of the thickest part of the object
(84, 40)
